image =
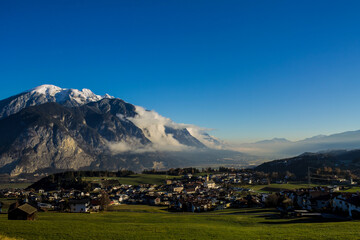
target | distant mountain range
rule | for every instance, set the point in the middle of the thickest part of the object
(281, 147)
(49, 129)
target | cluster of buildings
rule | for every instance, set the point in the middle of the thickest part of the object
(190, 194)
(324, 200)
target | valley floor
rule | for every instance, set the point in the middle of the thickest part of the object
(145, 222)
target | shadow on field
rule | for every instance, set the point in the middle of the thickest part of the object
(297, 220)
(252, 211)
(130, 176)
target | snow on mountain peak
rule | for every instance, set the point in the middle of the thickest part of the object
(58, 94)
(48, 93)
(46, 89)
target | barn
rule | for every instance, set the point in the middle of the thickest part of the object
(21, 212)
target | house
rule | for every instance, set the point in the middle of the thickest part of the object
(21, 212)
(78, 206)
(188, 176)
(45, 206)
(95, 205)
(177, 188)
(155, 201)
(321, 202)
(190, 190)
(210, 184)
(347, 204)
(114, 201)
(123, 197)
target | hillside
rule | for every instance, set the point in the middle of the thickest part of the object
(346, 160)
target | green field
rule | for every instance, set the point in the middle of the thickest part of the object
(276, 186)
(291, 186)
(7, 202)
(144, 222)
(14, 185)
(352, 189)
(136, 179)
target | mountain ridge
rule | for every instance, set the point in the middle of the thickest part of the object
(47, 93)
(342, 159)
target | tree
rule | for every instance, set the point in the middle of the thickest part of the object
(286, 202)
(289, 175)
(275, 175)
(272, 200)
(104, 200)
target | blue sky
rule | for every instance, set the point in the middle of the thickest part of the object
(247, 69)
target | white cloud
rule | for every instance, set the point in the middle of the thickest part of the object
(153, 126)
(129, 145)
(201, 135)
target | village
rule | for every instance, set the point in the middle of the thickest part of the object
(190, 193)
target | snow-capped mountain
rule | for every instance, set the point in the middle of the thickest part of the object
(52, 128)
(161, 131)
(62, 95)
(48, 93)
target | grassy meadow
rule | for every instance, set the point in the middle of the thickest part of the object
(278, 186)
(144, 222)
(135, 179)
(14, 185)
(273, 187)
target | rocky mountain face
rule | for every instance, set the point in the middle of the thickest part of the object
(50, 129)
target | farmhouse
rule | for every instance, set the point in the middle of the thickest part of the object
(78, 206)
